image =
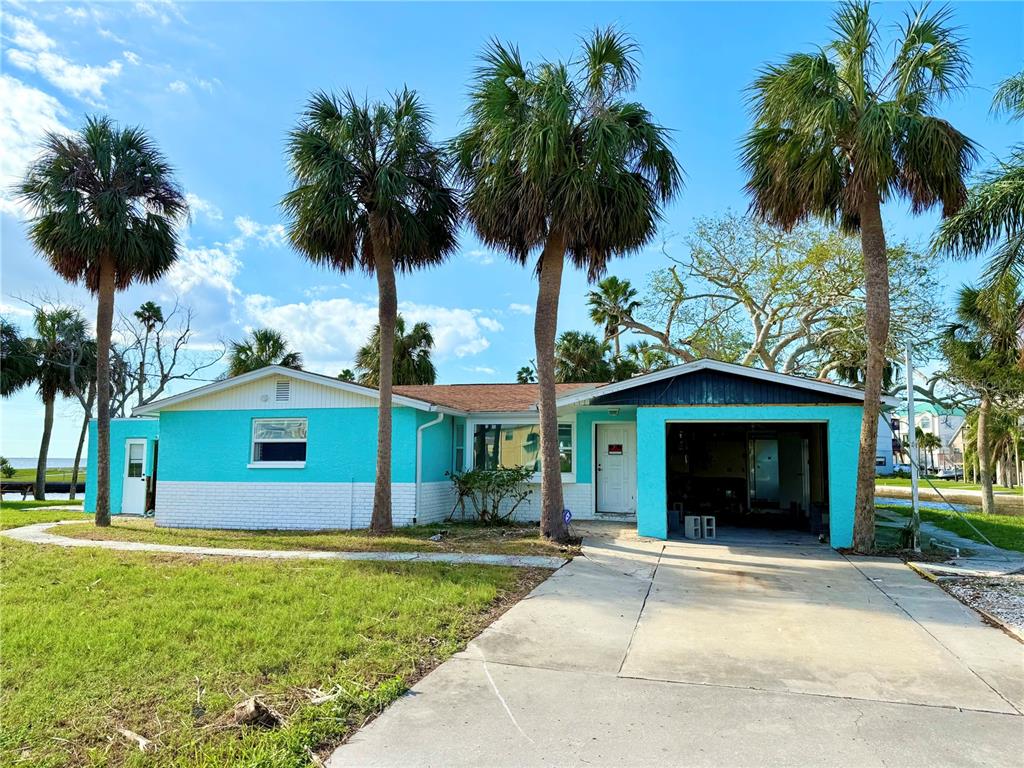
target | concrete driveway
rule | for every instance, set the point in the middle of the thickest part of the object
(756, 653)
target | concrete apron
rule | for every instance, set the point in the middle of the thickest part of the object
(663, 653)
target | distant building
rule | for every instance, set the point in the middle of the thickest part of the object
(944, 424)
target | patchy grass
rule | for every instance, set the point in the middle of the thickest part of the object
(457, 537)
(904, 482)
(1006, 531)
(14, 514)
(165, 646)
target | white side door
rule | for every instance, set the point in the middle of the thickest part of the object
(616, 468)
(133, 487)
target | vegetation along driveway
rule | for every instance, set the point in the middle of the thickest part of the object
(654, 653)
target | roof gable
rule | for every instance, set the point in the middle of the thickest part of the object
(259, 389)
(708, 382)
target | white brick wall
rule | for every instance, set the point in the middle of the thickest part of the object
(313, 506)
(270, 506)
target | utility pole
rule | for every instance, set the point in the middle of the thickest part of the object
(915, 515)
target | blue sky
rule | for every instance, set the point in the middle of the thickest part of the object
(218, 85)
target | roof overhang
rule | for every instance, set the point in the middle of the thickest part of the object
(786, 379)
(277, 371)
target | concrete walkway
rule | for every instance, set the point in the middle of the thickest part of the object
(770, 652)
(40, 534)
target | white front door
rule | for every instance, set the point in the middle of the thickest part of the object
(616, 468)
(133, 489)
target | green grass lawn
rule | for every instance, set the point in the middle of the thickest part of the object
(166, 645)
(940, 484)
(460, 537)
(17, 513)
(1006, 531)
(57, 474)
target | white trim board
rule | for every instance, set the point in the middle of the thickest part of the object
(279, 371)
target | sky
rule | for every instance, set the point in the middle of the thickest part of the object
(219, 85)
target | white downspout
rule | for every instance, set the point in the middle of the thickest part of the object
(419, 460)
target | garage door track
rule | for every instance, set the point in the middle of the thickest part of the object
(677, 653)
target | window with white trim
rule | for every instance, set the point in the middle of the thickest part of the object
(278, 442)
(518, 445)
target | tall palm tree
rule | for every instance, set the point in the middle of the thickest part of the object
(105, 212)
(150, 315)
(412, 363)
(371, 191)
(526, 375)
(557, 161)
(260, 348)
(993, 217)
(613, 300)
(840, 131)
(981, 349)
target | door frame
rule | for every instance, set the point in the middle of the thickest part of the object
(128, 442)
(593, 459)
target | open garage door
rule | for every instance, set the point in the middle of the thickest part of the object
(761, 475)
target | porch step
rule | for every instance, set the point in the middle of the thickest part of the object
(615, 517)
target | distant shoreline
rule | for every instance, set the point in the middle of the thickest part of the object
(51, 463)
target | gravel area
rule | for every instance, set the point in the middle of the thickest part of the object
(1001, 597)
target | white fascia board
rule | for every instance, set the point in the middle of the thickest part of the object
(277, 370)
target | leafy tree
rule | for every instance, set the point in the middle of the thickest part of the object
(647, 358)
(558, 161)
(993, 217)
(580, 357)
(105, 211)
(260, 348)
(150, 315)
(982, 348)
(839, 132)
(371, 190)
(526, 375)
(412, 363)
(347, 374)
(7, 470)
(613, 300)
(17, 359)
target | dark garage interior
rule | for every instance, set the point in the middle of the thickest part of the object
(762, 475)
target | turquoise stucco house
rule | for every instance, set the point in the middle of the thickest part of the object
(285, 449)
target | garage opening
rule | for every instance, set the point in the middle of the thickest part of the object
(764, 475)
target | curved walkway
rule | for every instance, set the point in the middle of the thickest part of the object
(39, 533)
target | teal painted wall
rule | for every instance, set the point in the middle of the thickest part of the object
(437, 447)
(215, 446)
(585, 437)
(843, 443)
(120, 430)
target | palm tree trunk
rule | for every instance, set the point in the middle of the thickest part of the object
(876, 306)
(387, 309)
(988, 501)
(104, 325)
(39, 490)
(545, 324)
(90, 398)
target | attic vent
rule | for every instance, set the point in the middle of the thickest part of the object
(283, 391)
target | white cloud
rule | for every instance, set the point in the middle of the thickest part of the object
(81, 81)
(203, 207)
(329, 331)
(520, 309)
(481, 369)
(25, 34)
(480, 257)
(106, 33)
(26, 115)
(131, 58)
(316, 291)
(266, 234)
(15, 310)
(490, 324)
(178, 86)
(164, 11)
(207, 85)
